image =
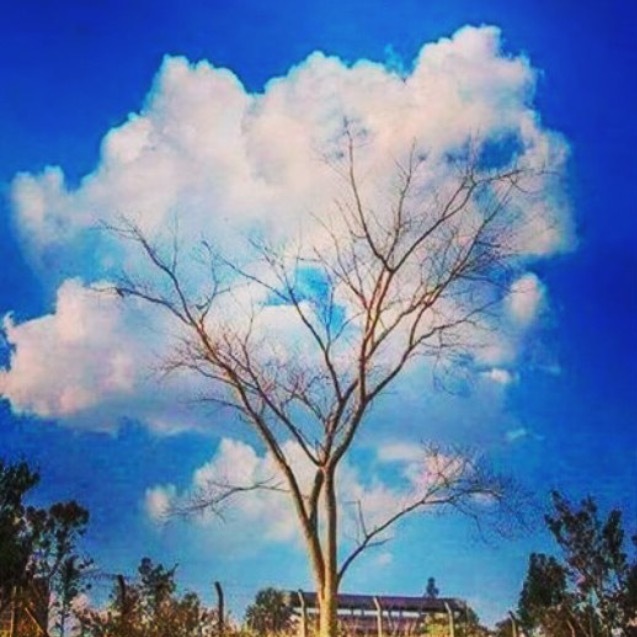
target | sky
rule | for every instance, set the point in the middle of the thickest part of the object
(211, 114)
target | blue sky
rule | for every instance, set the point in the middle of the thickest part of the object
(71, 72)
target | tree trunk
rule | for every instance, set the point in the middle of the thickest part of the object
(327, 613)
(328, 604)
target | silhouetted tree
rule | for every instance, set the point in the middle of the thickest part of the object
(39, 549)
(592, 591)
(16, 541)
(545, 604)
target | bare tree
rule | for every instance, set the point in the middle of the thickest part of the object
(376, 290)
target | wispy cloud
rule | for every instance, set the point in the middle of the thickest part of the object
(514, 435)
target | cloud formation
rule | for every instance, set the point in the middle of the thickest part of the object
(92, 362)
(209, 159)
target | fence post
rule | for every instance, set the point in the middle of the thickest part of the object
(379, 616)
(514, 625)
(13, 617)
(303, 613)
(220, 609)
(452, 626)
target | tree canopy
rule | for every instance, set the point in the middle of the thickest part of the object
(269, 613)
(40, 558)
(591, 589)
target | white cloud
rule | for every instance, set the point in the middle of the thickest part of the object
(525, 299)
(92, 362)
(517, 434)
(252, 517)
(522, 433)
(65, 362)
(399, 452)
(227, 159)
(236, 464)
(499, 375)
(220, 162)
(158, 501)
(384, 559)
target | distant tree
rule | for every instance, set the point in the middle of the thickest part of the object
(56, 532)
(269, 613)
(545, 605)
(592, 592)
(15, 540)
(39, 559)
(597, 561)
(149, 607)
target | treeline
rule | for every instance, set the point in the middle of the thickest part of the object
(45, 577)
(588, 588)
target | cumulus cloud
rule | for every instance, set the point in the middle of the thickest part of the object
(255, 516)
(91, 362)
(227, 159)
(208, 158)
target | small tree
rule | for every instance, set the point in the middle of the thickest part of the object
(376, 291)
(269, 613)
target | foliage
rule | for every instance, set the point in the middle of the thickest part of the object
(544, 600)
(269, 613)
(149, 607)
(15, 540)
(470, 626)
(467, 624)
(38, 547)
(504, 628)
(592, 590)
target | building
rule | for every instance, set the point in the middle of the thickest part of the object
(382, 615)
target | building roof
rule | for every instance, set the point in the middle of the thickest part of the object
(349, 601)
